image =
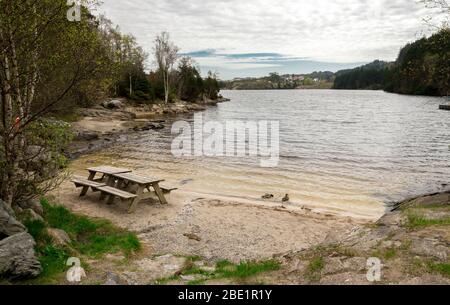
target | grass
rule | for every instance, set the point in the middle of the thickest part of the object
(385, 254)
(224, 270)
(442, 268)
(196, 282)
(417, 221)
(70, 117)
(91, 238)
(245, 269)
(316, 265)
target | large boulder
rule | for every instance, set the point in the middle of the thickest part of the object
(17, 257)
(8, 223)
(113, 104)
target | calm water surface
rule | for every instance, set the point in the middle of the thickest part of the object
(355, 150)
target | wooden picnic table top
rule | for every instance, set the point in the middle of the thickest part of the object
(142, 180)
(109, 170)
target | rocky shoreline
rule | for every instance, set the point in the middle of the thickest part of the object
(114, 120)
(412, 245)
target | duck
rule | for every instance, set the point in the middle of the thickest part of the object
(267, 196)
(286, 198)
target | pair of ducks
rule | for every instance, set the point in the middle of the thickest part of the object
(270, 196)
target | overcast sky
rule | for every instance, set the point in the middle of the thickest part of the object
(240, 38)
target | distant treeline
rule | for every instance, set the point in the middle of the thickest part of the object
(315, 80)
(422, 68)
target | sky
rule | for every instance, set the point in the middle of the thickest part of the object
(251, 38)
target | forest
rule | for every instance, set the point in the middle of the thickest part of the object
(56, 58)
(422, 68)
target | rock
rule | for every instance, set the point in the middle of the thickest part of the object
(150, 126)
(36, 206)
(59, 237)
(346, 278)
(333, 265)
(357, 264)
(17, 257)
(430, 247)
(8, 224)
(151, 269)
(188, 277)
(33, 216)
(192, 236)
(33, 204)
(113, 279)
(86, 136)
(113, 104)
(391, 219)
(432, 200)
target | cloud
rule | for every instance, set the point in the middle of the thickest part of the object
(231, 34)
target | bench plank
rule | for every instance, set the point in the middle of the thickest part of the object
(167, 188)
(116, 192)
(84, 182)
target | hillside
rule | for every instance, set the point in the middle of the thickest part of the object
(422, 68)
(370, 76)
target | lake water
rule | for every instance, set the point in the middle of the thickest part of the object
(342, 150)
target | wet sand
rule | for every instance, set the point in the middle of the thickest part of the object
(213, 227)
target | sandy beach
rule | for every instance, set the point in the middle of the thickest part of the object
(196, 221)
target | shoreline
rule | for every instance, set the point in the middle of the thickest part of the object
(212, 228)
(101, 127)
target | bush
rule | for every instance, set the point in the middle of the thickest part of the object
(42, 160)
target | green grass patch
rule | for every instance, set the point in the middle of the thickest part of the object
(316, 265)
(52, 258)
(90, 237)
(417, 221)
(385, 254)
(245, 269)
(224, 270)
(196, 282)
(442, 268)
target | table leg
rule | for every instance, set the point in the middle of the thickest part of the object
(109, 182)
(159, 193)
(110, 200)
(86, 188)
(136, 200)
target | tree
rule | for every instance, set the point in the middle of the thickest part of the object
(166, 54)
(211, 86)
(44, 58)
(190, 82)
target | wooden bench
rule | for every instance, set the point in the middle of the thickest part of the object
(86, 184)
(167, 189)
(103, 188)
(114, 192)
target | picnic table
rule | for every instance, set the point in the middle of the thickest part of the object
(127, 180)
(121, 183)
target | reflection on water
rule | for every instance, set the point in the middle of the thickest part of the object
(342, 149)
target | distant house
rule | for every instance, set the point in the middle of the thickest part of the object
(298, 77)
